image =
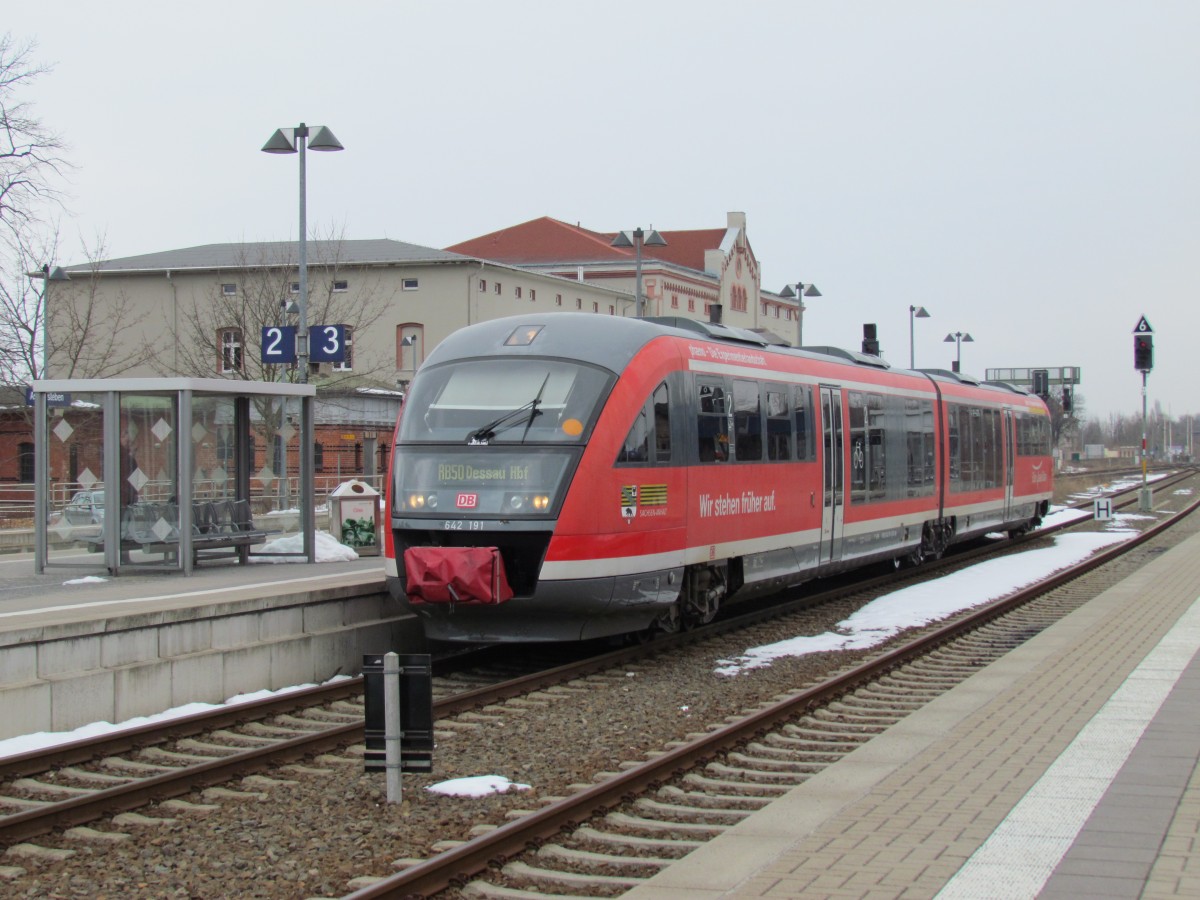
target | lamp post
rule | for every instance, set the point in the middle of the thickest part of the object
(636, 239)
(958, 338)
(49, 274)
(296, 140)
(799, 290)
(914, 313)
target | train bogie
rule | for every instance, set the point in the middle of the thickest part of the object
(634, 475)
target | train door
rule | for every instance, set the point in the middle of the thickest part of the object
(833, 511)
(1009, 465)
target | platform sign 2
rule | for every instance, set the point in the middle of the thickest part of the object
(327, 343)
(279, 344)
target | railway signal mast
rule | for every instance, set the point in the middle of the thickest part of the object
(1143, 361)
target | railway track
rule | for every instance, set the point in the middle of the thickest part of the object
(609, 837)
(88, 780)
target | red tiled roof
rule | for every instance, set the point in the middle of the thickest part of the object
(548, 240)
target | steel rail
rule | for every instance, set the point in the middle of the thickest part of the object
(456, 864)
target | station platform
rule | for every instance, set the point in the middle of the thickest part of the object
(79, 587)
(78, 646)
(1067, 768)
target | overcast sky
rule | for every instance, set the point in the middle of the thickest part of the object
(1026, 170)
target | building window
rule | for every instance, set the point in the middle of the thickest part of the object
(595, 306)
(25, 462)
(229, 290)
(408, 284)
(691, 305)
(532, 295)
(579, 303)
(517, 290)
(674, 301)
(497, 288)
(612, 310)
(318, 456)
(558, 299)
(295, 287)
(348, 363)
(340, 287)
(231, 350)
(482, 285)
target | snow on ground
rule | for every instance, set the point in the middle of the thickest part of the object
(43, 739)
(476, 786)
(932, 600)
(327, 547)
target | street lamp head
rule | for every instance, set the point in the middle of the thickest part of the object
(967, 339)
(787, 292)
(54, 273)
(919, 311)
(282, 141)
(810, 290)
(949, 339)
(323, 139)
(622, 240)
(654, 239)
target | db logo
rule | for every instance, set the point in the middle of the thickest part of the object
(467, 501)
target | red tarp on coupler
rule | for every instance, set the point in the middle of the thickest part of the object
(456, 575)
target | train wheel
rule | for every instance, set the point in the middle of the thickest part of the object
(703, 589)
(670, 622)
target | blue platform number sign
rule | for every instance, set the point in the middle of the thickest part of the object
(327, 343)
(279, 344)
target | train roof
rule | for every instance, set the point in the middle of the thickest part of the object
(612, 341)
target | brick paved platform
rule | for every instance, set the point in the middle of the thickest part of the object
(1068, 768)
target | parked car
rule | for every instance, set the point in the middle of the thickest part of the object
(85, 508)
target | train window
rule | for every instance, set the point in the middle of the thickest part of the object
(868, 447)
(976, 461)
(803, 407)
(1033, 436)
(638, 447)
(747, 420)
(712, 422)
(509, 400)
(662, 423)
(635, 449)
(779, 424)
(919, 446)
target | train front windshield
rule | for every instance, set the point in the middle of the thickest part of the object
(484, 416)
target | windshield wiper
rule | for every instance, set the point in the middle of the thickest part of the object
(487, 432)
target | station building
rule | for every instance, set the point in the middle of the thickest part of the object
(200, 312)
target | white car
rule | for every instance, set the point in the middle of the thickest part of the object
(85, 508)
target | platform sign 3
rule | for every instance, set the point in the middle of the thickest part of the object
(327, 343)
(279, 344)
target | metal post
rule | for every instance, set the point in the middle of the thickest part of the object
(302, 329)
(41, 483)
(637, 244)
(391, 735)
(1146, 499)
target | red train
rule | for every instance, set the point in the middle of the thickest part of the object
(569, 476)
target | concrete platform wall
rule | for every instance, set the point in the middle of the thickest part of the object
(57, 678)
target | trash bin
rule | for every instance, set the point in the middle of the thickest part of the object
(354, 516)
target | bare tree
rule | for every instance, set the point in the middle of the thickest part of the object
(202, 344)
(219, 332)
(31, 155)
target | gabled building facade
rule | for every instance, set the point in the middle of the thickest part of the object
(694, 271)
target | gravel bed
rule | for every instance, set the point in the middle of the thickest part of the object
(311, 837)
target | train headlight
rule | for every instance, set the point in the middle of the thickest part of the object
(516, 502)
(416, 501)
(431, 501)
(541, 501)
